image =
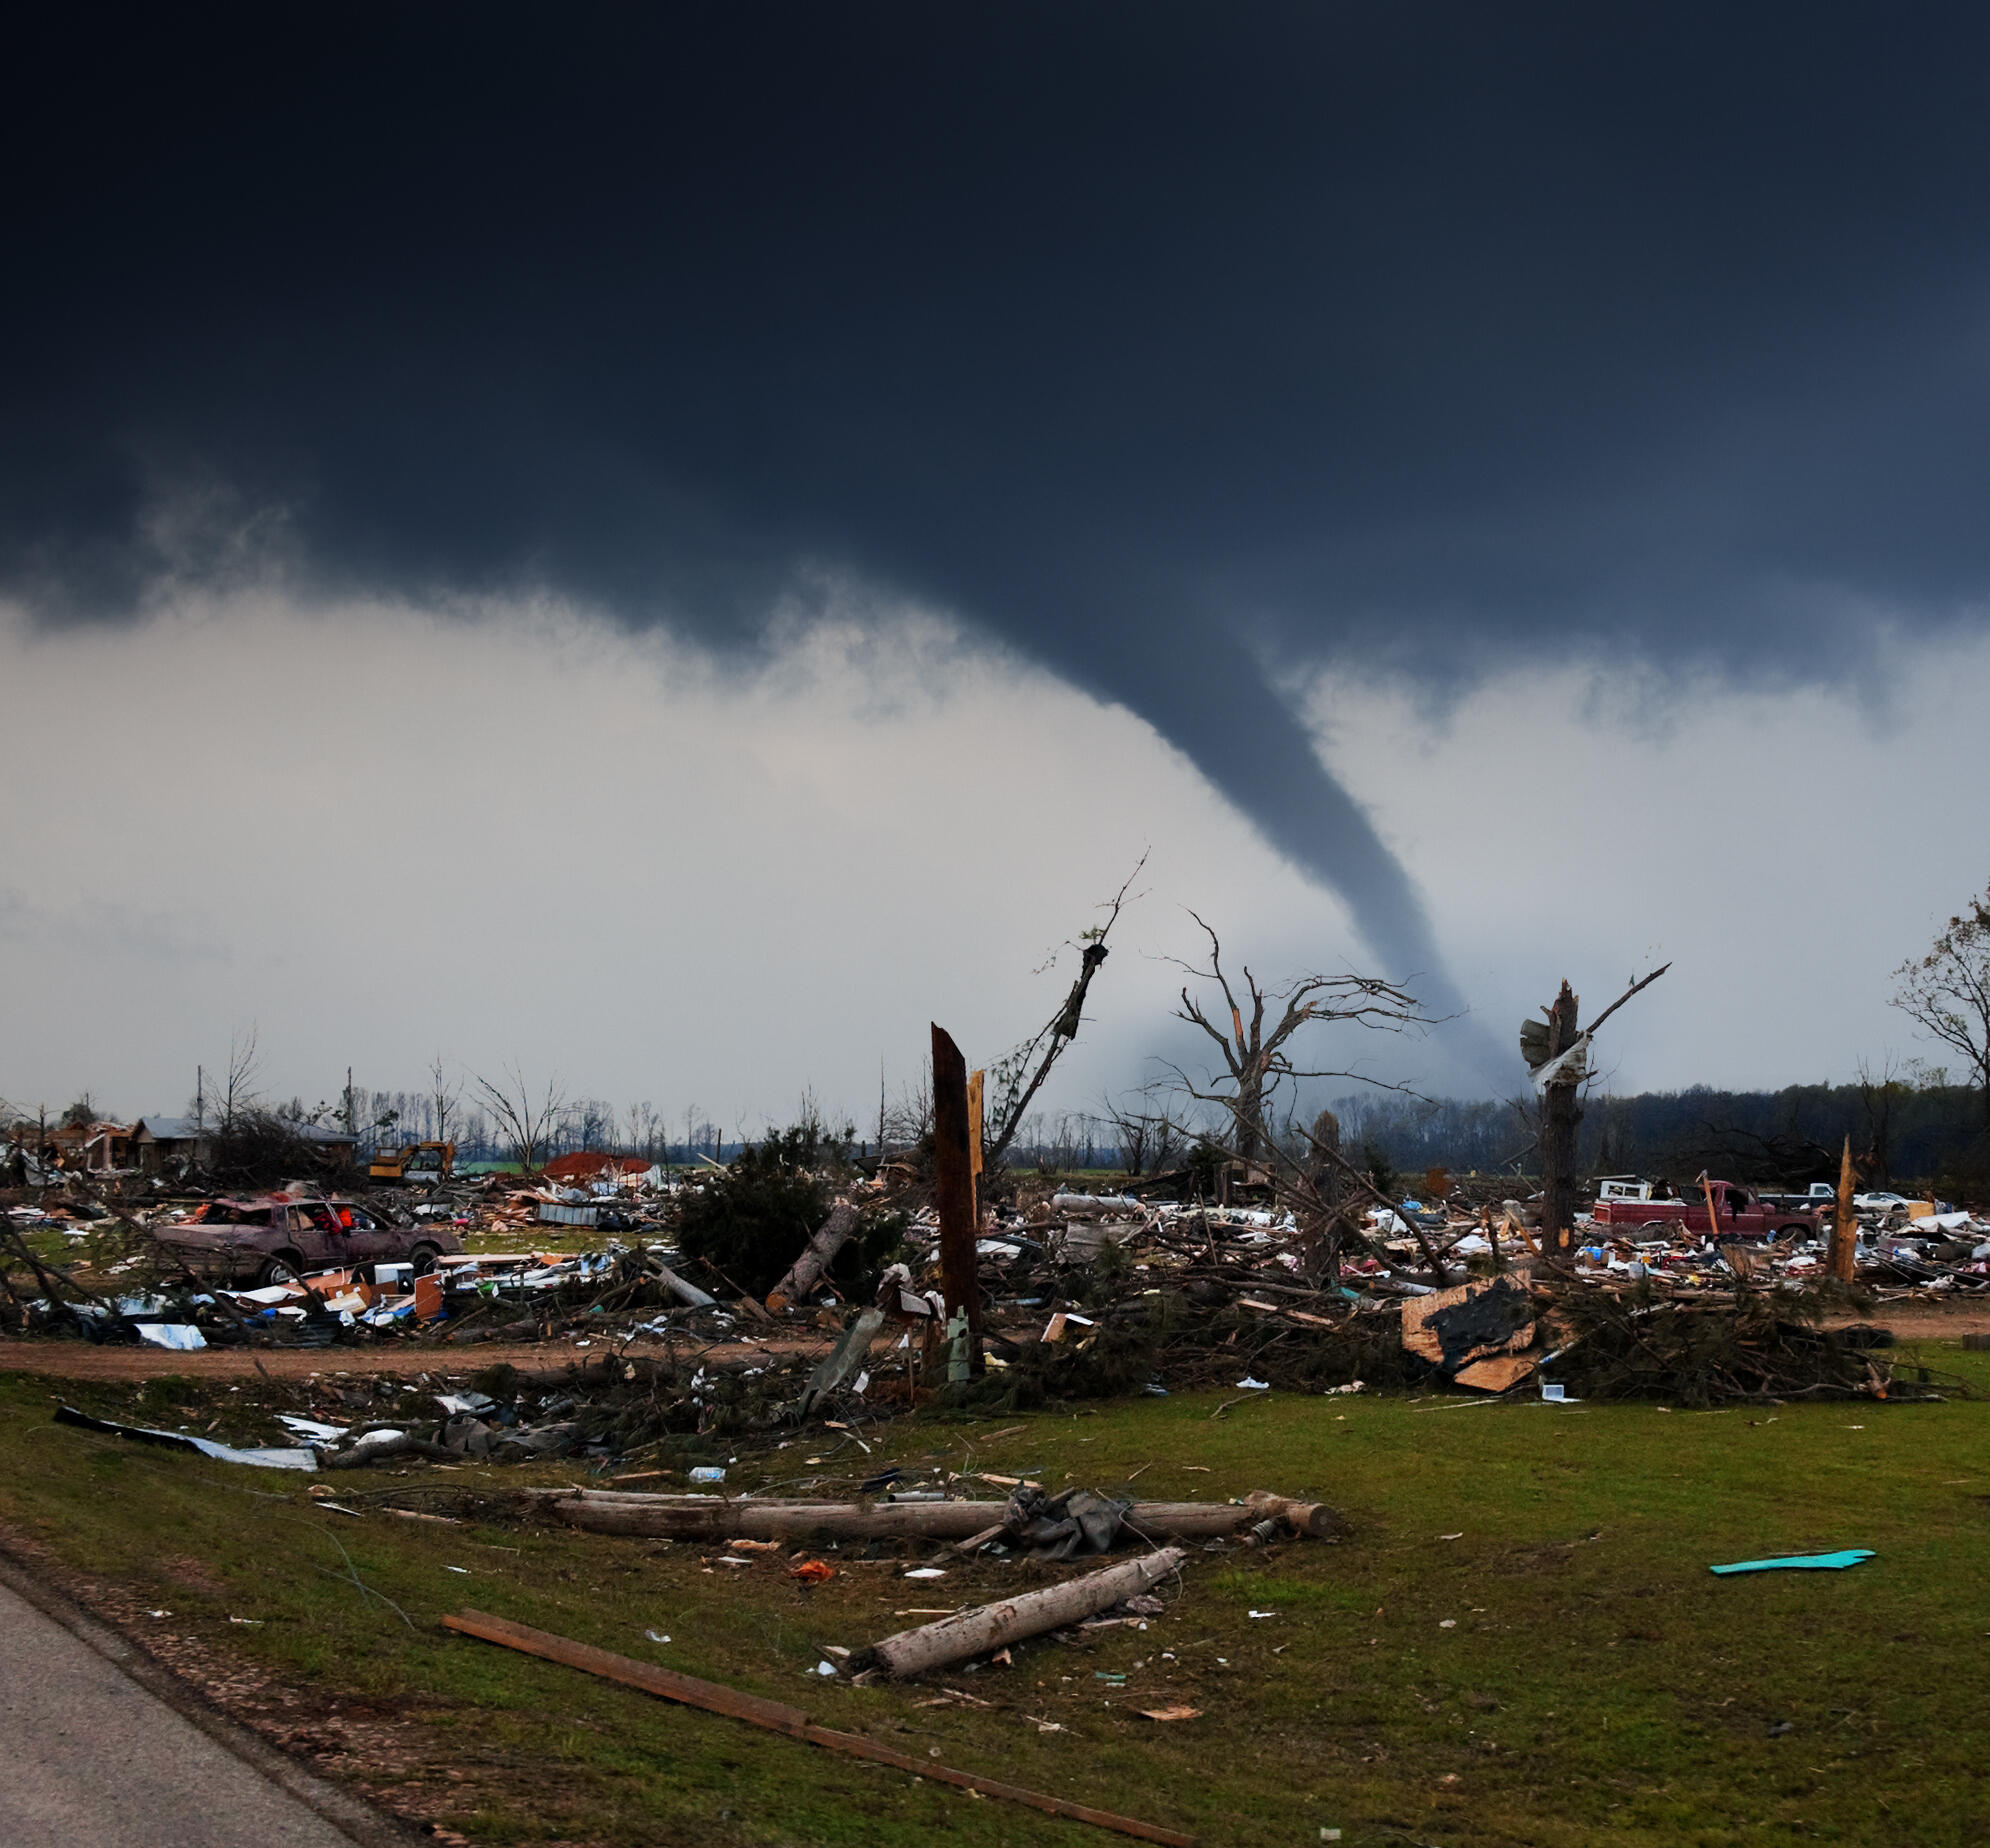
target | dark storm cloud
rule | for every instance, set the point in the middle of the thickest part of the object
(1159, 342)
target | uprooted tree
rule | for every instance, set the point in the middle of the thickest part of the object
(747, 1224)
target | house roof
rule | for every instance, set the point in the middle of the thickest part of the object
(587, 1161)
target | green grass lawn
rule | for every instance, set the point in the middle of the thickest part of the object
(1518, 1641)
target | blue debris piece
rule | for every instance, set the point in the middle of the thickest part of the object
(1802, 1562)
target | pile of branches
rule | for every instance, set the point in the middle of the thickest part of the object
(1748, 1347)
(1165, 1339)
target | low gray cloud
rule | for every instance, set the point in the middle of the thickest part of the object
(1166, 346)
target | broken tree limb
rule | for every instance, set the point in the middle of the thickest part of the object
(989, 1627)
(716, 1517)
(775, 1716)
(816, 1257)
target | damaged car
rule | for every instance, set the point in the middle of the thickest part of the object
(275, 1239)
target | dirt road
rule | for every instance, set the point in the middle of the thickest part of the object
(78, 1360)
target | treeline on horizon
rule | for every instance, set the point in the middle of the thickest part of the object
(1900, 1132)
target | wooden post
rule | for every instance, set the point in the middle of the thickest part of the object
(1845, 1228)
(975, 1085)
(1560, 1113)
(953, 1194)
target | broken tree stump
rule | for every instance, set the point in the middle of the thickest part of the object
(953, 1192)
(1561, 1112)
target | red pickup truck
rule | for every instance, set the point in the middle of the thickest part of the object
(1736, 1210)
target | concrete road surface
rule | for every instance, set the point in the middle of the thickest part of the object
(94, 1759)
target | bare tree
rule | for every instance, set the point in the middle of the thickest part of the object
(524, 1124)
(244, 1068)
(1308, 1171)
(1257, 1053)
(1946, 993)
(1017, 1078)
(1147, 1131)
(443, 1096)
(910, 1120)
(642, 1130)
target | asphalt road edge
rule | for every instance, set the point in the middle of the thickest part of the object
(358, 1819)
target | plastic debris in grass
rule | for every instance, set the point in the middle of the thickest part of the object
(1801, 1562)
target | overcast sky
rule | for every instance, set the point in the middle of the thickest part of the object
(678, 546)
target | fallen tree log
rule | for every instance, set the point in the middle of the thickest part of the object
(816, 1257)
(988, 1627)
(717, 1517)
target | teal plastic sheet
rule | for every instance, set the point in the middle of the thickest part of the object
(1802, 1562)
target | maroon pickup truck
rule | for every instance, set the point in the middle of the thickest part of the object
(1736, 1212)
(268, 1241)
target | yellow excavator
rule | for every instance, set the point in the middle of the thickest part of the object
(417, 1164)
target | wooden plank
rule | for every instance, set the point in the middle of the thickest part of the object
(774, 1716)
(665, 1683)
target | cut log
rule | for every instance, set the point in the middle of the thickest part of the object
(1315, 1519)
(989, 1627)
(715, 1518)
(817, 1256)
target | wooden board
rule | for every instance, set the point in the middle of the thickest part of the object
(776, 1716)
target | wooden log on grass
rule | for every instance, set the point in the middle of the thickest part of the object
(717, 1517)
(988, 1627)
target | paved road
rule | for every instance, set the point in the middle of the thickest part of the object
(93, 1760)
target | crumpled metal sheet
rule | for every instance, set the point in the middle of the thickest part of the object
(1063, 1526)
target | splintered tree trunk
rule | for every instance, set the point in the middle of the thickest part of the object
(1560, 1113)
(989, 1627)
(1845, 1229)
(953, 1194)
